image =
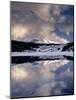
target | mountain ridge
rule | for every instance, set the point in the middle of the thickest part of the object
(19, 46)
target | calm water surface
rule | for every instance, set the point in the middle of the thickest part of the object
(42, 78)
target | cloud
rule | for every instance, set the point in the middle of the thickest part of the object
(40, 20)
(42, 11)
(18, 31)
(54, 38)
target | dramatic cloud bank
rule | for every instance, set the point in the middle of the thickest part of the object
(42, 21)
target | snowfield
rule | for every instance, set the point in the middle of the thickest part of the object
(33, 53)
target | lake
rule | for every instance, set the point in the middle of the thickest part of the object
(42, 78)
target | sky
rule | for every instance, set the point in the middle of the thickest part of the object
(43, 22)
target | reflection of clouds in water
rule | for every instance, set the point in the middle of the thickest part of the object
(43, 90)
(55, 64)
(19, 73)
(40, 79)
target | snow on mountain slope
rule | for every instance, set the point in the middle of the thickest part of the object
(18, 46)
(50, 48)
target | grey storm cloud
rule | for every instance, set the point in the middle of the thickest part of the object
(42, 21)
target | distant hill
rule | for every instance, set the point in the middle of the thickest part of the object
(69, 47)
(22, 46)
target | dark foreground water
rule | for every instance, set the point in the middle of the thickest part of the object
(42, 78)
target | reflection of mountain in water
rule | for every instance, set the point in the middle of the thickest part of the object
(26, 59)
(35, 51)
